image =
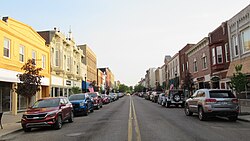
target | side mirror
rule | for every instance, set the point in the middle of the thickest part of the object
(61, 105)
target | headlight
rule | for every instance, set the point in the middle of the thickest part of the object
(24, 116)
(82, 104)
(51, 114)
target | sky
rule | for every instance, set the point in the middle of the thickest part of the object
(128, 36)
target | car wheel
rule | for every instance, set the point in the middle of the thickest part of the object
(233, 118)
(187, 112)
(176, 97)
(167, 104)
(26, 129)
(86, 112)
(101, 106)
(58, 124)
(162, 103)
(201, 114)
(71, 119)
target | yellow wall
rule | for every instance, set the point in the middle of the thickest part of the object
(22, 34)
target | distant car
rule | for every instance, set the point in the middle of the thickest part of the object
(175, 97)
(213, 102)
(114, 96)
(105, 99)
(97, 99)
(48, 112)
(155, 96)
(82, 104)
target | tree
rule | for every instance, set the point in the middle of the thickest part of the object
(139, 88)
(188, 82)
(239, 80)
(76, 90)
(30, 80)
(123, 88)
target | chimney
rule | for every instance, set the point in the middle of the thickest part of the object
(5, 19)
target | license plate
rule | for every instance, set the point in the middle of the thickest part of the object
(223, 103)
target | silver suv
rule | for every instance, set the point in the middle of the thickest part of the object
(213, 102)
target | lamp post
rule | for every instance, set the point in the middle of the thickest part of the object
(85, 83)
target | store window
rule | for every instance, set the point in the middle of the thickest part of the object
(5, 97)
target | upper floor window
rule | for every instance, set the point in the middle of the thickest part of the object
(34, 57)
(183, 67)
(21, 53)
(187, 65)
(195, 66)
(77, 69)
(213, 56)
(204, 61)
(57, 58)
(227, 53)
(245, 37)
(68, 63)
(65, 62)
(6, 50)
(235, 45)
(43, 61)
(219, 54)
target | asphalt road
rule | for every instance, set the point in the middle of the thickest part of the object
(135, 119)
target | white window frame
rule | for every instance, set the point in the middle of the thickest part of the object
(21, 53)
(247, 30)
(219, 54)
(213, 56)
(195, 66)
(204, 61)
(227, 52)
(6, 41)
(43, 61)
(57, 57)
(34, 57)
(235, 45)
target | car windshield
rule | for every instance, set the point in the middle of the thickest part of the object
(77, 97)
(45, 103)
(221, 94)
(93, 94)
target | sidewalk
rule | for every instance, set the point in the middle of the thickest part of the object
(10, 123)
(244, 114)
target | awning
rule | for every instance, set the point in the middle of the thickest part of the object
(245, 66)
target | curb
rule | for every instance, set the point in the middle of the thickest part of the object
(241, 119)
(16, 131)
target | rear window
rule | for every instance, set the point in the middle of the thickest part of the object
(93, 95)
(77, 97)
(221, 94)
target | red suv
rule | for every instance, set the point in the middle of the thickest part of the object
(48, 112)
(96, 97)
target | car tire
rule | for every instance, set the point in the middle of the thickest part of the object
(233, 118)
(187, 111)
(26, 129)
(58, 123)
(176, 97)
(86, 112)
(202, 116)
(163, 103)
(167, 104)
(71, 119)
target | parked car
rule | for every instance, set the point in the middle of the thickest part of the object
(105, 99)
(155, 96)
(175, 97)
(47, 112)
(161, 97)
(114, 96)
(96, 97)
(213, 102)
(82, 104)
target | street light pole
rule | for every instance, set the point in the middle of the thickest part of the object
(85, 83)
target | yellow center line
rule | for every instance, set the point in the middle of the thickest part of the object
(130, 121)
(137, 129)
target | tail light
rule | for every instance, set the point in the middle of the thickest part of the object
(235, 101)
(210, 100)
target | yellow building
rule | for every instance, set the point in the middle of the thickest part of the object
(19, 43)
(90, 61)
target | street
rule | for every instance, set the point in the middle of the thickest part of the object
(134, 118)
